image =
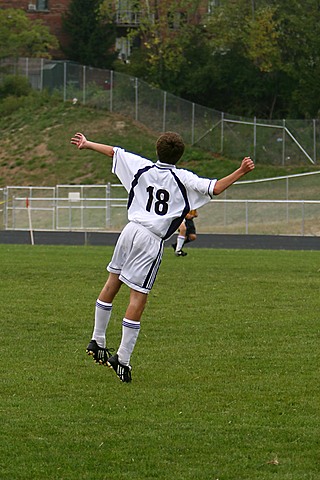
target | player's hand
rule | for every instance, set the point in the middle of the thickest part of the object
(79, 140)
(247, 165)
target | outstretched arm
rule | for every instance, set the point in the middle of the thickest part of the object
(246, 166)
(81, 142)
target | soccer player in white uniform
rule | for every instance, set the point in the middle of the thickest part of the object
(160, 196)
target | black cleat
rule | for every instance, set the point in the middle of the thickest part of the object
(100, 355)
(180, 253)
(123, 371)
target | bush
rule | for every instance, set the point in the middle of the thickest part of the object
(9, 105)
(30, 102)
(14, 85)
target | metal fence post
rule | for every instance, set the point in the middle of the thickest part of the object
(108, 216)
(222, 132)
(164, 111)
(283, 141)
(247, 217)
(70, 215)
(192, 124)
(315, 140)
(84, 84)
(254, 138)
(82, 206)
(54, 211)
(13, 213)
(136, 98)
(41, 75)
(56, 203)
(6, 199)
(111, 90)
(287, 197)
(64, 81)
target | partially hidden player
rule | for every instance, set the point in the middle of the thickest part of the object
(160, 196)
(187, 233)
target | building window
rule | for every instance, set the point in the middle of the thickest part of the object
(38, 5)
(212, 4)
(42, 4)
(175, 20)
(123, 47)
(128, 12)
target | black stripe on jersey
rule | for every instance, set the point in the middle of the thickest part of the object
(150, 278)
(177, 222)
(135, 183)
(210, 195)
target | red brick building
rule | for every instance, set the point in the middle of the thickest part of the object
(126, 15)
(49, 11)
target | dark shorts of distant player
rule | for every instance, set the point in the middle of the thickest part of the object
(191, 229)
(137, 257)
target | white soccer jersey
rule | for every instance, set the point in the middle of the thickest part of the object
(160, 195)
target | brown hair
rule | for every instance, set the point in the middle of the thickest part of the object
(170, 147)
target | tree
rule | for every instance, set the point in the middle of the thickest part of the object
(21, 37)
(249, 57)
(300, 47)
(282, 42)
(234, 27)
(246, 36)
(212, 60)
(92, 39)
(162, 34)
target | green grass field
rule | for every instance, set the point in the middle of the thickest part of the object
(225, 372)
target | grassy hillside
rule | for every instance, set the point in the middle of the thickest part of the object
(35, 145)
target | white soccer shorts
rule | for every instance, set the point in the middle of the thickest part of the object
(137, 257)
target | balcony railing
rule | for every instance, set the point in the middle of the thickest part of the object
(130, 18)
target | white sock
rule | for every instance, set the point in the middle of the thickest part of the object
(130, 332)
(101, 320)
(180, 242)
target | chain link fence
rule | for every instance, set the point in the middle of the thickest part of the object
(283, 205)
(277, 142)
(279, 206)
(65, 207)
